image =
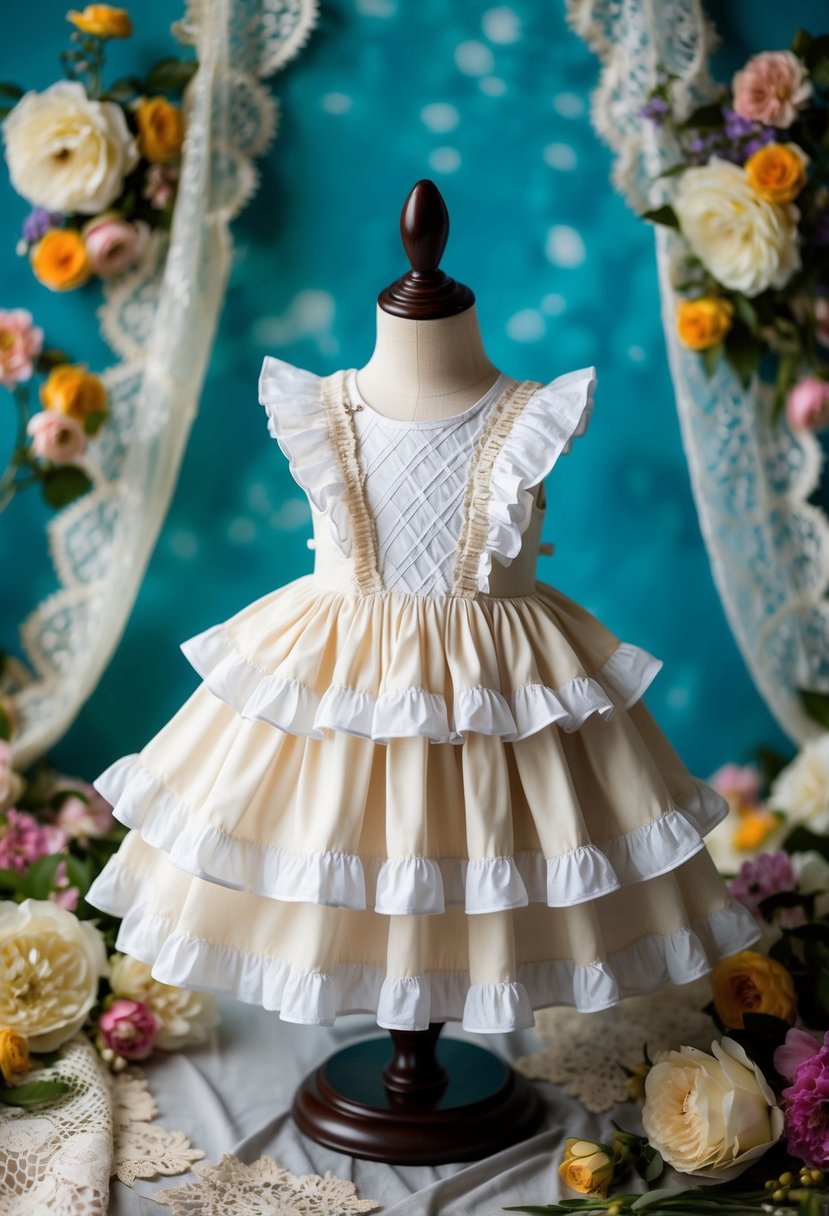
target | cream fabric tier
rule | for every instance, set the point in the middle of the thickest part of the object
(418, 782)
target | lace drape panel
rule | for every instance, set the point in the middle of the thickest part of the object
(160, 320)
(752, 480)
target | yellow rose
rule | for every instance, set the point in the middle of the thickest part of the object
(14, 1055)
(102, 20)
(70, 389)
(160, 129)
(777, 173)
(749, 982)
(60, 260)
(586, 1167)
(704, 322)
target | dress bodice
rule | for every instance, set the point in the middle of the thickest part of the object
(424, 507)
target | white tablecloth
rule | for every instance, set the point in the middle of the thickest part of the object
(235, 1097)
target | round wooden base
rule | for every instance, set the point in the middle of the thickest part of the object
(477, 1107)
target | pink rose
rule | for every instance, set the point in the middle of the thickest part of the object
(129, 1029)
(771, 88)
(63, 894)
(24, 840)
(20, 344)
(739, 784)
(56, 437)
(808, 405)
(83, 820)
(160, 185)
(114, 244)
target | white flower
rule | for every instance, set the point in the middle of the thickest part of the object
(746, 243)
(184, 1017)
(50, 964)
(802, 788)
(66, 152)
(812, 874)
(710, 1115)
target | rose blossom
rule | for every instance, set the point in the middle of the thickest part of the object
(114, 244)
(56, 437)
(738, 783)
(64, 895)
(23, 840)
(20, 344)
(185, 1017)
(807, 407)
(771, 88)
(128, 1028)
(84, 819)
(805, 1063)
(762, 876)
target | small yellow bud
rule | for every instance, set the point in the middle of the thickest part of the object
(779, 1195)
(786, 1179)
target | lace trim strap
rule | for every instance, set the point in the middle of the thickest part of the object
(475, 527)
(365, 553)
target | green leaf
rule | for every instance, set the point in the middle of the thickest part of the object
(654, 1168)
(5, 723)
(35, 1093)
(816, 705)
(124, 89)
(5, 111)
(704, 118)
(52, 357)
(39, 879)
(79, 873)
(662, 215)
(743, 353)
(711, 357)
(12, 91)
(93, 422)
(170, 75)
(800, 42)
(770, 762)
(10, 880)
(747, 313)
(64, 484)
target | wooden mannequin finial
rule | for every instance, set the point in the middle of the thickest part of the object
(425, 293)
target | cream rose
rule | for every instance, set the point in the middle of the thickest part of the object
(184, 1017)
(50, 965)
(746, 243)
(802, 788)
(710, 1115)
(66, 152)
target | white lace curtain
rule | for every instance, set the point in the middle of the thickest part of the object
(752, 480)
(160, 321)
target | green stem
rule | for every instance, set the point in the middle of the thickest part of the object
(9, 483)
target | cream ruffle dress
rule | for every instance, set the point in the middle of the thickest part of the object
(417, 782)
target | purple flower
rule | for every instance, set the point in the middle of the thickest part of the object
(805, 1063)
(747, 136)
(655, 110)
(23, 840)
(762, 876)
(38, 222)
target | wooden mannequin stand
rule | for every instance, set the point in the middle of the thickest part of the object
(435, 1100)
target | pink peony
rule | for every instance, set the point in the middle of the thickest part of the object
(56, 437)
(764, 875)
(805, 1062)
(23, 840)
(85, 819)
(114, 244)
(160, 185)
(20, 344)
(771, 88)
(129, 1029)
(808, 405)
(739, 784)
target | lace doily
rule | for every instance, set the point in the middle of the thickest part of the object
(160, 320)
(56, 1160)
(752, 479)
(588, 1053)
(232, 1188)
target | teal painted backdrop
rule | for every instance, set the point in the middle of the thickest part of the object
(491, 101)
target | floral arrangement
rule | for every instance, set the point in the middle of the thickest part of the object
(50, 445)
(749, 194)
(98, 164)
(756, 1107)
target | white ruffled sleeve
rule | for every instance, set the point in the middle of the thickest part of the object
(544, 430)
(298, 423)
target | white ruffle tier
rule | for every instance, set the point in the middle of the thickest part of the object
(396, 665)
(318, 994)
(555, 414)
(404, 886)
